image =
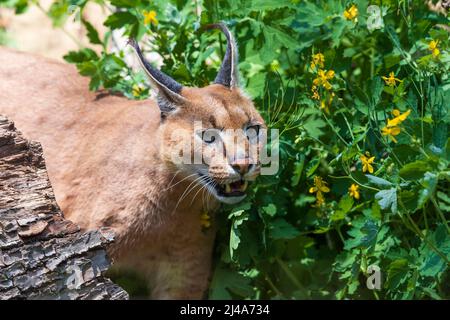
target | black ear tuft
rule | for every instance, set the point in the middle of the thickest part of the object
(228, 74)
(156, 75)
(169, 91)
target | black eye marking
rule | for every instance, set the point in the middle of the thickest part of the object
(209, 135)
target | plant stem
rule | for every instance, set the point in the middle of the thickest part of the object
(291, 275)
(334, 129)
(441, 214)
(416, 229)
(274, 288)
(338, 229)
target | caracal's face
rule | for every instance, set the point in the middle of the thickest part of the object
(214, 134)
(216, 139)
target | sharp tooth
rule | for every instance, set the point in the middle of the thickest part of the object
(244, 185)
(227, 188)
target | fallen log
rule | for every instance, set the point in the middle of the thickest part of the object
(42, 255)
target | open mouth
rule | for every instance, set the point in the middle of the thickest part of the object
(233, 189)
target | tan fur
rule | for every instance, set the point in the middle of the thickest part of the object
(108, 161)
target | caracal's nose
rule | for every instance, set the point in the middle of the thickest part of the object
(242, 166)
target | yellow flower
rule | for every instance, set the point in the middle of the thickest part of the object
(395, 112)
(399, 118)
(318, 59)
(205, 220)
(137, 90)
(391, 80)
(316, 95)
(315, 92)
(323, 77)
(353, 191)
(433, 47)
(433, 44)
(324, 106)
(351, 13)
(320, 199)
(330, 100)
(367, 161)
(150, 17)
(274, 65)
(319, 187)
(391, 132)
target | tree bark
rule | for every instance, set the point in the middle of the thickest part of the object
(42, 255)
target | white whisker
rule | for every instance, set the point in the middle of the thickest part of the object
(187, 191)
(194, 174)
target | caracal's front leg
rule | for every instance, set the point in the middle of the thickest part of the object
(183, 269)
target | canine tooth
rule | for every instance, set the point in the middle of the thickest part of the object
(244, 185)
(227, 188)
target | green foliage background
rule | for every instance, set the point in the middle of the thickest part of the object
(280, 243)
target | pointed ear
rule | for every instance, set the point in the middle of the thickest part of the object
(169, 91)
(228, 74)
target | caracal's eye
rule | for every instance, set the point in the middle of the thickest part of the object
(252, 131)
(209, 135)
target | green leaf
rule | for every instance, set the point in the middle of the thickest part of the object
(391, 60)
(378, 181)
(398, 273)
(376, 88)
(270, 209)
(87, 68)
(279, 37)
(344, 206)
(414, 170)
(235, 233)
(298, 170)
(274, 39)
(58, 12)
(239, 209)
(92, 34)
(313, 127)
(429, 183)
(364, 235)
(350, 153)
(268, 5)
(303, 200)
(111, 64)
(431, 293)
(376, 212)
(95, 82)
(125, 3)
(82, 55)
(432, 263)
(444, 201)
(226, 282)
(387, 199)
(440, 134)
(311, 14)
(281, 229)
(339, 28)
(312, 167)
(120, 19)
(255, 86)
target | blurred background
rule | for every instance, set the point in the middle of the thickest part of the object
(35, 31)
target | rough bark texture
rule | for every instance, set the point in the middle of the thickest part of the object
(42, 255)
